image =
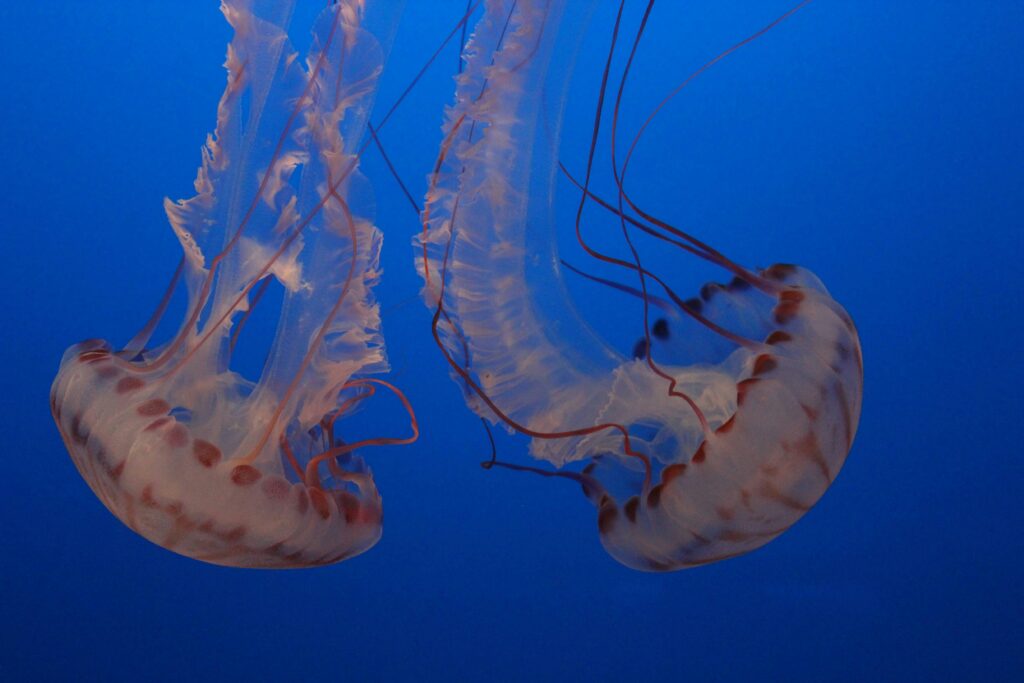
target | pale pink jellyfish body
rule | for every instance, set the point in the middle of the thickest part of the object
(688, 460)
(182, 449)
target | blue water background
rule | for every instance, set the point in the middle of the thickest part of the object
(878, 143)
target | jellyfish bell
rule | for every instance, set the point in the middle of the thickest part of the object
(690, 457)
(184, 450)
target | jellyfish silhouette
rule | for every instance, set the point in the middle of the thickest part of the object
(689, 460)
(184, 450)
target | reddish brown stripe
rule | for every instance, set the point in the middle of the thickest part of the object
(206, 453)
(809, 448)
(743, 387)
(154, 407)
(233, 535)
(78, 435)
(157, 424)
(779, 271)
(606, 516)
(673, 471)
(726, 426)
(349, 505)
(786, 311)
(245, 475)
(116, 470)
(94, 356)
(146, 497)
(778, 337)
(654, 497)
(630, 508)
(319, 501)
(764, 363)
(126, 384)
(771, 492)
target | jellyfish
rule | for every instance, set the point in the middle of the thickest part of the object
(186, 451)
(739, 403)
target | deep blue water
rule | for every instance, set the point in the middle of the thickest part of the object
(878, 143)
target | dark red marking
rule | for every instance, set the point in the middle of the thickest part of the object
(116, 470)
(234, 535)
(786, 311)
(809, 447)
(245, 475)
(738, 284)
(778, 337)
(319, 501)
(606, 516)
(700, 455)
(348, 504)
(146, 497)
(676, 470)
(780, 271)
(174, 509)
(157, 424)
(810, 412)
(726, 426)
(725, 513)
(771, 492)
(94, 356)
(764, 363)
(176, 436)
(77, 434)
(709, 290)
(155, 406)
(654, 497)
(126, 384)
(630, 508)
(694, 304)
(742, 388)
(206, 453)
